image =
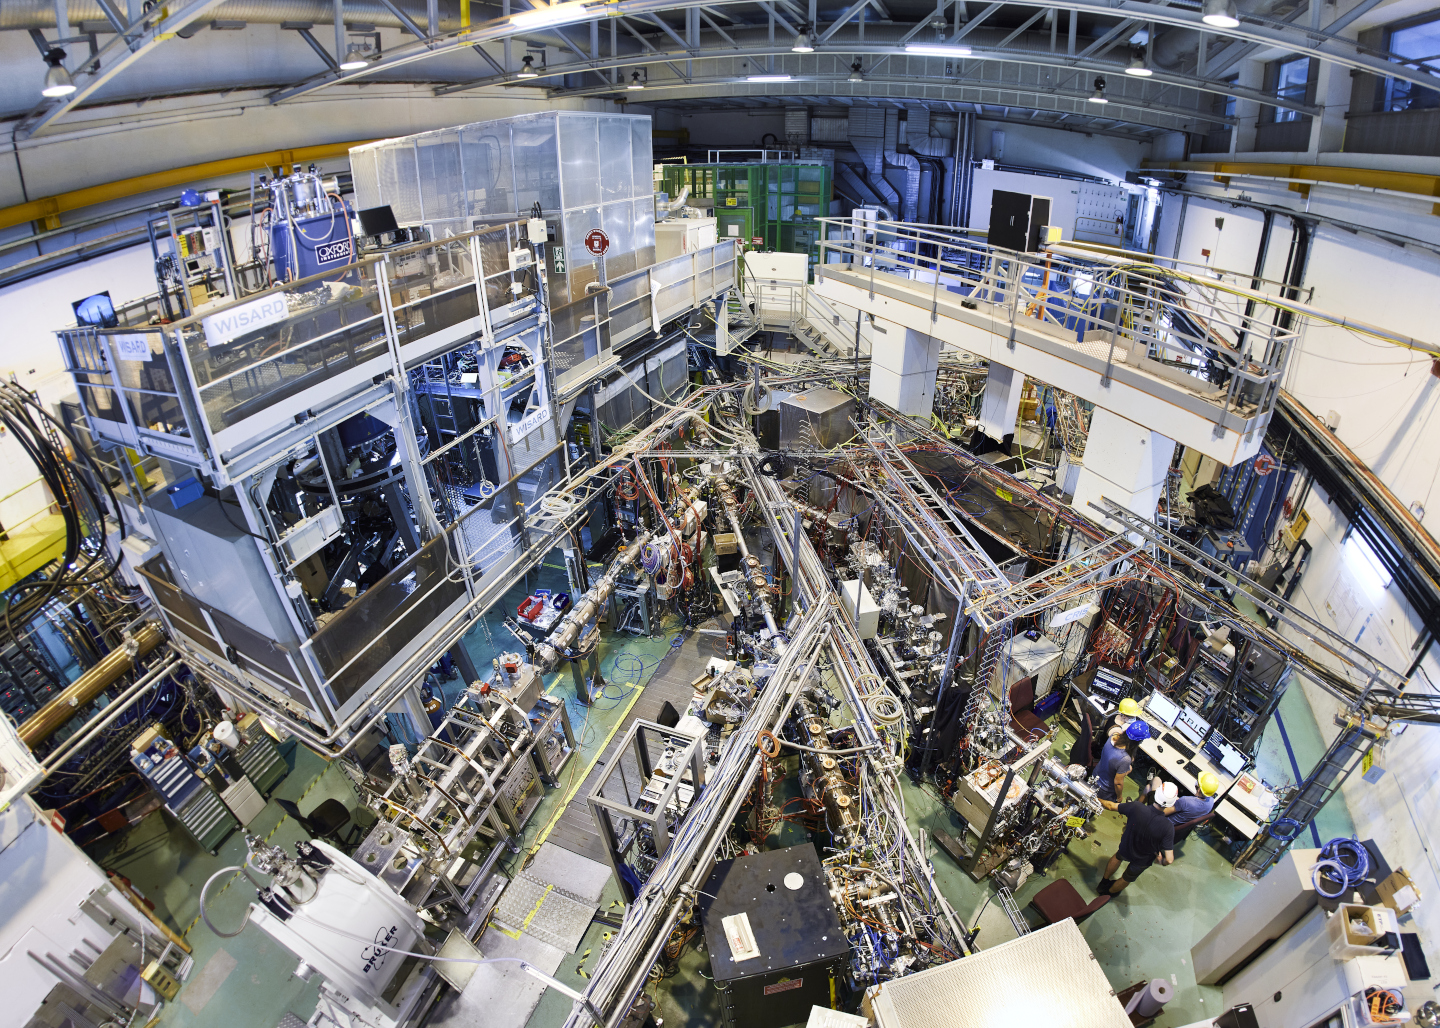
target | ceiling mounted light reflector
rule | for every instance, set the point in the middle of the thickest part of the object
(57, 80)
(803, 44)
(1221, 14)
(1138, 67)
(635, 82)
(937, 50)
(354, 58)
(1098, 97)
(767, 78)
(527, 68)
(855, 73)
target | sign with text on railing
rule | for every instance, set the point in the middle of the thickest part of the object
(132, 346)
(529, 423)
(234, 322)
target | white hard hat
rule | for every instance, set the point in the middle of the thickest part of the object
(1166, 794)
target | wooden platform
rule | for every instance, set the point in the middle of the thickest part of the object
(575, 831)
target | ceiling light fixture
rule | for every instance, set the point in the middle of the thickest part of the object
(767, 78)
(855, 74)
(1221, 14)
(1098, 97)
(937, 50)
(57, 80)
(1138, 67)
(543, 16)
(635, 82)
(527, 68)
(355, 57)
(803, 45)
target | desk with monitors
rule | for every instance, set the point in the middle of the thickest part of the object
(1183, 745)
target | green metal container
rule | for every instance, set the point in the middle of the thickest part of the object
(783, 199)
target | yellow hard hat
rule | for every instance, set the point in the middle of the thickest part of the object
(1209, 784)
(1129, 707)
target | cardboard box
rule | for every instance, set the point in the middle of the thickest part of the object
(1398, 892)
(1348, 942)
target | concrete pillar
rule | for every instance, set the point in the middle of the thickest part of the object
(1125, 463)
(1247, 112)
(1332, 94)
(903, 363)
(1000, 405)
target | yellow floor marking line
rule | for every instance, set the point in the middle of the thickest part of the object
(528, 917)
(540, 840)
(283, 819)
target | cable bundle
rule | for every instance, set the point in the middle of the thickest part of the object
(1344, 861)
(86, 561)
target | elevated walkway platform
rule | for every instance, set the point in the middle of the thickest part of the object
(1198, 359)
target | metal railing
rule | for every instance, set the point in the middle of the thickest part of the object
(629, 306)
(1214, 336)
(196, 389)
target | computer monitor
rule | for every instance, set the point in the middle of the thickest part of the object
(96, 310)
(375, 221)
(1228, 757)
(1162, 708)
(1192, 725)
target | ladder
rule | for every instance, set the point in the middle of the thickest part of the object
(1356, 737)
(991, 648)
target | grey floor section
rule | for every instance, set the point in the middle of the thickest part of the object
(499, 995)
(580, 876)
(575, 831)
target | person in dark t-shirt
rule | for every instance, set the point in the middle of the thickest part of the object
(1149, 836)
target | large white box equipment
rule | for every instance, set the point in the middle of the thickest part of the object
(862, 607)
(1049, 977)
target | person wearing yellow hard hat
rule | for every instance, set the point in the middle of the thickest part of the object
(1190, 808)
(1116, 724)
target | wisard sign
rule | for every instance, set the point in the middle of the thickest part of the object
(234, 322)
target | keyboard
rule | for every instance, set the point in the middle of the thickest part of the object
(1192, 769)
(1179, 745)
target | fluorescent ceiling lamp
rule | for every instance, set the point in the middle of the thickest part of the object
(57, 80)
(767, 78)
(1138, 67)
(635, 82)
(1221, 14)
(354, 58)
(803, 44)
(555, 14)
(937, 50)
(527, 69)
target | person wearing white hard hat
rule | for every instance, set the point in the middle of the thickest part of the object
(1149, 837)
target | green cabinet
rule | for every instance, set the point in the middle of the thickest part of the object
(774, 203)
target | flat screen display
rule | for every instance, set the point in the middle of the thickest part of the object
(1192, 725)
(1226, 756)
(96, 310)
(1163, 709)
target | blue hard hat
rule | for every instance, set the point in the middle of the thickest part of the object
(1138, 730)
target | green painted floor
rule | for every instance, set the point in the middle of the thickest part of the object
(1146, 932)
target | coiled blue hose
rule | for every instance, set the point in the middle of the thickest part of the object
(1345, 861)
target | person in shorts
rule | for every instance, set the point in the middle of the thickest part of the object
(1149, 837)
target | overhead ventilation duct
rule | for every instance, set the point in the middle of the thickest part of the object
(910, 200)
(867, 136)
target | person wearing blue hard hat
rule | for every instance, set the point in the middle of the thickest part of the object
(1115, 760)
